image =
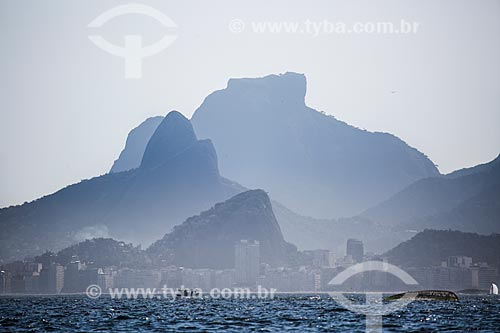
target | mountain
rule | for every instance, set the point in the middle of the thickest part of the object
(208, 240)
(431, 247)
(479, 213)
(131, 156)
(178, 177)
(486, 167)
(311, 233)
(467, 200)
(314, 164)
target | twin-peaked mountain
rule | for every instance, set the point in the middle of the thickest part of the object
(178, 177)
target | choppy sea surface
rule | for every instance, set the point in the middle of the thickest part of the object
(284, 313)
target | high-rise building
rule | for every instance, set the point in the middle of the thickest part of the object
(459, 261)
(483, 275)
(247, 261)
(5, 280)
(52, 279)
(72, 277)
(104, 280)
(322, 258)
(32, 283)
(355, 249)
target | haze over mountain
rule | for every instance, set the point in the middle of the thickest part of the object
(208, 240)
(266, 137)
(468, 200)
(178, 177)
(138, 138)
(311, 233)
(314, 164)
(310, 163)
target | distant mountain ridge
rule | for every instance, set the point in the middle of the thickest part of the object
(316, 165)
(266, 137)
(310, 162)
(468, 200)
(484, 167)
(479, 213)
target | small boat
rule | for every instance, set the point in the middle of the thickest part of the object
(426, 295)
(493, 289)
(186, 292)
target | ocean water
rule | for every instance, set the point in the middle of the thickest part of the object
(284, 313)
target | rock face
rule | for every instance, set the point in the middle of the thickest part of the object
(208, 240)
(316, 165)
(131, 156)
(178, 178)
(467, 200)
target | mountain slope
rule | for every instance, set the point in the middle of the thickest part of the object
(318, 166)
(177, 178)
(440, 202)
(485, 167)
(479, 213)
(208, 240)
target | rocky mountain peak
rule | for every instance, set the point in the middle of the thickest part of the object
(288, 88)
(207, 240)
(174, 135)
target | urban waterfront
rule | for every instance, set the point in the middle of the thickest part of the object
(54, 274)
(283, 313)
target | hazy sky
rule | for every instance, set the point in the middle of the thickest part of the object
(66, 109)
